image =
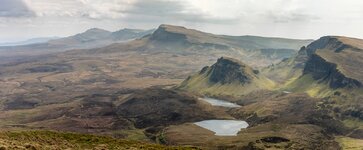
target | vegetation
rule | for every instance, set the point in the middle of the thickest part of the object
(49, 140)
(227, 77)
(350, 143)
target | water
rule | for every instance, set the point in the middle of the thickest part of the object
(223, 127)
(217, 102)
(286, 92)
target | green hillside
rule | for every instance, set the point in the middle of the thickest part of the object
(228, 77)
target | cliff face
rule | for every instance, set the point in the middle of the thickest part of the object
(228, 70)
(320, 69)
(336, 60)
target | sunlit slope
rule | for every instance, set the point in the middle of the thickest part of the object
(227, 77)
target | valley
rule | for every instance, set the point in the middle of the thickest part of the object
(162, 87)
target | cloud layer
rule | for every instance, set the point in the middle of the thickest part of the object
(14, 8)
(284, 18)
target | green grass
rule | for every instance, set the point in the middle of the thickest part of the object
(199, 83)
(308, 85)
(132, 134)
(64, 140)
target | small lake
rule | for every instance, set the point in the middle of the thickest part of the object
(217, 102)
(223, 127)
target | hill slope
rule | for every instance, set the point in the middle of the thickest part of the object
(328, 64)
(49, 140)
(226, 77)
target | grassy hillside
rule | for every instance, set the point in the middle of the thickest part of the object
(227, 77)
(51, 140)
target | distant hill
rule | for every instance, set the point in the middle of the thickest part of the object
(30, 41)
(178, 34)
(226, 77)
(91, 38)
(181, 40)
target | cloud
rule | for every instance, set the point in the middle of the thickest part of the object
(283, 18)
(286, 17)
(148, 11)
(15, 9)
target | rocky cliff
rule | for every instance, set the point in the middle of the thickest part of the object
(336, 60)
(228, 70)
(333, 60)
(320, 69)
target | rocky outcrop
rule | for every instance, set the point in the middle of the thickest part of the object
(330, 60)
(321, 69)
(228, 70)
(327, 42)
(228, 77)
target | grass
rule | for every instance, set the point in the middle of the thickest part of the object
(308, 85)
(353, 123)
(350, 143)
(132, 134)
(200, 83)
(49, 140)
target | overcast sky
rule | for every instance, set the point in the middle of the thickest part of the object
(306, 19)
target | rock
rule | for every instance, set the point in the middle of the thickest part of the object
(228, 70)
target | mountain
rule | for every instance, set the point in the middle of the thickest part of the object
(178, 34)
(92, 38)
(129, 34)
(95, 37)
(30, 41)
(328, 64)
(227, 76)
(337, 61)
(184, 41)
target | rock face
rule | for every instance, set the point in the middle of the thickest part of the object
(320, 69)
(332, 60)
(228, 70)
(336, 60)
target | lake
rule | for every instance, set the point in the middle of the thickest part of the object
(218, 102)
(223, 127)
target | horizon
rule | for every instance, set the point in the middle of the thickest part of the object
(297, 19)
(57, 37)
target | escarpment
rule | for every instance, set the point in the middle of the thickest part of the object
(320, 69)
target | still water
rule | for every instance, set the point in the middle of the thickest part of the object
(223, 127)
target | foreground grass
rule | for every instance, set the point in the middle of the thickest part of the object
(350, 143)
(50, 140)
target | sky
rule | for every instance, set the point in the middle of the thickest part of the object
(302, 19)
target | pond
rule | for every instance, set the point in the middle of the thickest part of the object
(218, 102)
(223, 127)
